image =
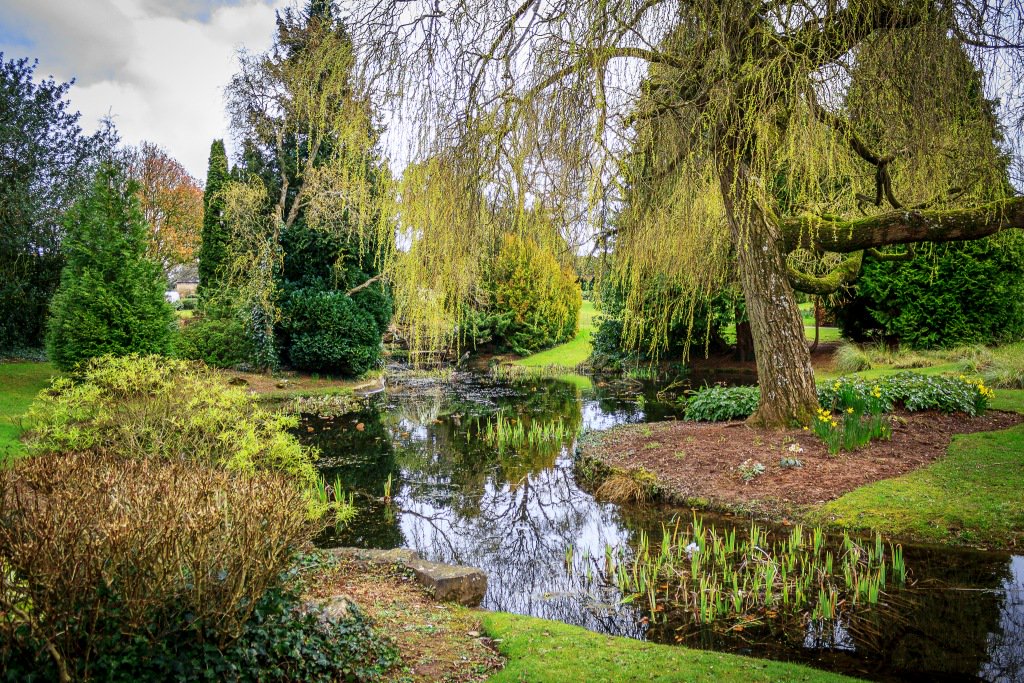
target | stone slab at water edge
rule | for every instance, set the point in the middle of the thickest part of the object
(449, 583)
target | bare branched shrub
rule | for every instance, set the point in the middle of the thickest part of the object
(99, 547)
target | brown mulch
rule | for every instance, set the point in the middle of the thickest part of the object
(292, 383)
(696, 461)
(437, 642)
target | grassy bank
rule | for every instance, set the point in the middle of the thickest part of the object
(448, 642)
(573, 352)
(20, 383)
(971, 496)
(540, 651)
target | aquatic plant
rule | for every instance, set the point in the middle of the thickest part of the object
(518, 374)
(642, 373)
(504, 433)
(709, 576)
(331, 497)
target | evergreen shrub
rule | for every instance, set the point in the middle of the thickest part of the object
(111, 296)
(532, 301)
(950, 294)
(151, 407)
(220, 342)
(331, 332)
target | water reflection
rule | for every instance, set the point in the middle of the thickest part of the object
(513, 512)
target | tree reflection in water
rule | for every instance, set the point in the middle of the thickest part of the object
(514, 513)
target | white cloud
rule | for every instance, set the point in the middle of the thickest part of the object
(159, 68)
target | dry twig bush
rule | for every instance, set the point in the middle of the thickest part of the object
(95, 548)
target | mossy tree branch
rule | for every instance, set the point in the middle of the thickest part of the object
(902, 227)
(845, 273)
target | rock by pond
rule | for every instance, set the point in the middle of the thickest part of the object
(448, 583)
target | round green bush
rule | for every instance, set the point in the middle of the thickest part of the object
(218, 342)
(329, 331)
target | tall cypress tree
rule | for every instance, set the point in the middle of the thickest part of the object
(214, 248)
(111, 296)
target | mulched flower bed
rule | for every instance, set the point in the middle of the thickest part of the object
(701, 461)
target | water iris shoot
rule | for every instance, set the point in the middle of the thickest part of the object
(717, 578)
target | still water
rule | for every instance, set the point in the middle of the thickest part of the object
(458, 499)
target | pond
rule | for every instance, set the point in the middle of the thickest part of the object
(461, 495)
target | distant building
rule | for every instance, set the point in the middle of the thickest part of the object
(182, 282)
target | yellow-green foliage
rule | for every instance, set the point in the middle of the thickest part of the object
(153, 407)
(533, 300)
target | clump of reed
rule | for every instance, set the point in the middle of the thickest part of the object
(321, 405)
(505, 433)
(714, 577)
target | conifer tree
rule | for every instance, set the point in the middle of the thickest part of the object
(110, 299)
(214, 248)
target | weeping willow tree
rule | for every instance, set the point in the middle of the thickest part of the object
(314, 204)
(726, 131)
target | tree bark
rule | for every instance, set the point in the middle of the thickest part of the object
(784, 372)
(902, 227)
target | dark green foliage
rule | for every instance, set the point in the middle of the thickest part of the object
(911, 391)
(908, 390)
(111, 296)
(719, 404)
(219, 342)
(213, 251)
(329, 331)
(45, 163)
(321, 327)
(281, 641)
(950, 294)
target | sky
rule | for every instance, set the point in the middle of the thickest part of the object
(158, 67)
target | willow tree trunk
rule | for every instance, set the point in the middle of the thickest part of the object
(784, 371)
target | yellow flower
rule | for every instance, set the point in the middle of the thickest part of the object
(806, 428)
(850, 410)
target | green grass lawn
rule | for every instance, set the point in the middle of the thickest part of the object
(543, 651)
(571, 353)
(971, 496)
(19, 384)
(825, 334)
